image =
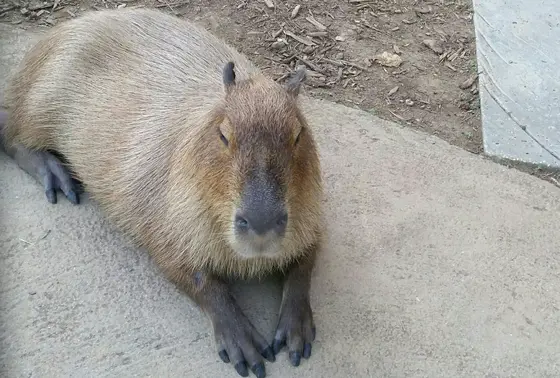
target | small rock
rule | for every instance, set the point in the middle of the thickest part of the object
(340, 55)
(409, 102)
(397, 50)
(122, 5)
(340, 38)
(278, 44)
(269, 4)
(424, 10)
(24, 11)
(393, 91)
(433, 45)
(469, 82)
(50, 20)
(388, 59)
(308, 49)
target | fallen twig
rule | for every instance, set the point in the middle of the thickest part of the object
(41, 6)
(313, 66)
(316, 23)
(170, 5)
(342, 63)
(318, 34)
(305, 41)
(397, 116)
(285, 76)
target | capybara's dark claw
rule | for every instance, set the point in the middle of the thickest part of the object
(307, 350)
(295, 358)
(241, 368)
(51, 195)
(268, 353)
(259, 370)
(224, 356)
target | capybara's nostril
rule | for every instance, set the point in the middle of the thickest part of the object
(241, 223)
(260, 222)
(281, 222)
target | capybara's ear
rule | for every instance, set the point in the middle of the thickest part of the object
(293, 84)
(229, 75)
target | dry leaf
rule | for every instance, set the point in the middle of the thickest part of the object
(393, 91)
(433, 45)
(295, 11)
(269, 3)
(388, 59)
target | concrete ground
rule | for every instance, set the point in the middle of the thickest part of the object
(438, 263)
(518, 53)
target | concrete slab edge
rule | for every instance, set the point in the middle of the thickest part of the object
(519, 98)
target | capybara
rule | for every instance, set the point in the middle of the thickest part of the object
(190, 150)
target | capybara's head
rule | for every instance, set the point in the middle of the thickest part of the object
(268, 189)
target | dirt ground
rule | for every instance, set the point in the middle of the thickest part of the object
(408, 61)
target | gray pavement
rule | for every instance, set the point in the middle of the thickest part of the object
(518, 50)
(438, 263)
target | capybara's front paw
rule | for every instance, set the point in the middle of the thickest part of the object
(241, 344)
(296, 329)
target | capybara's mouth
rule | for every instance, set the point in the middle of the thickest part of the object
(253, 246)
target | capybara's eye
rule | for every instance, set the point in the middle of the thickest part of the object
(297, 139)
(224, 139)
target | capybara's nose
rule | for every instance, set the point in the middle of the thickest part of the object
(261, 223)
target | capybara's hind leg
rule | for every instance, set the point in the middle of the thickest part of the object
(45, 167)
(49, 171)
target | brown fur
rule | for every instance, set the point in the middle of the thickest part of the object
(134, 100)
